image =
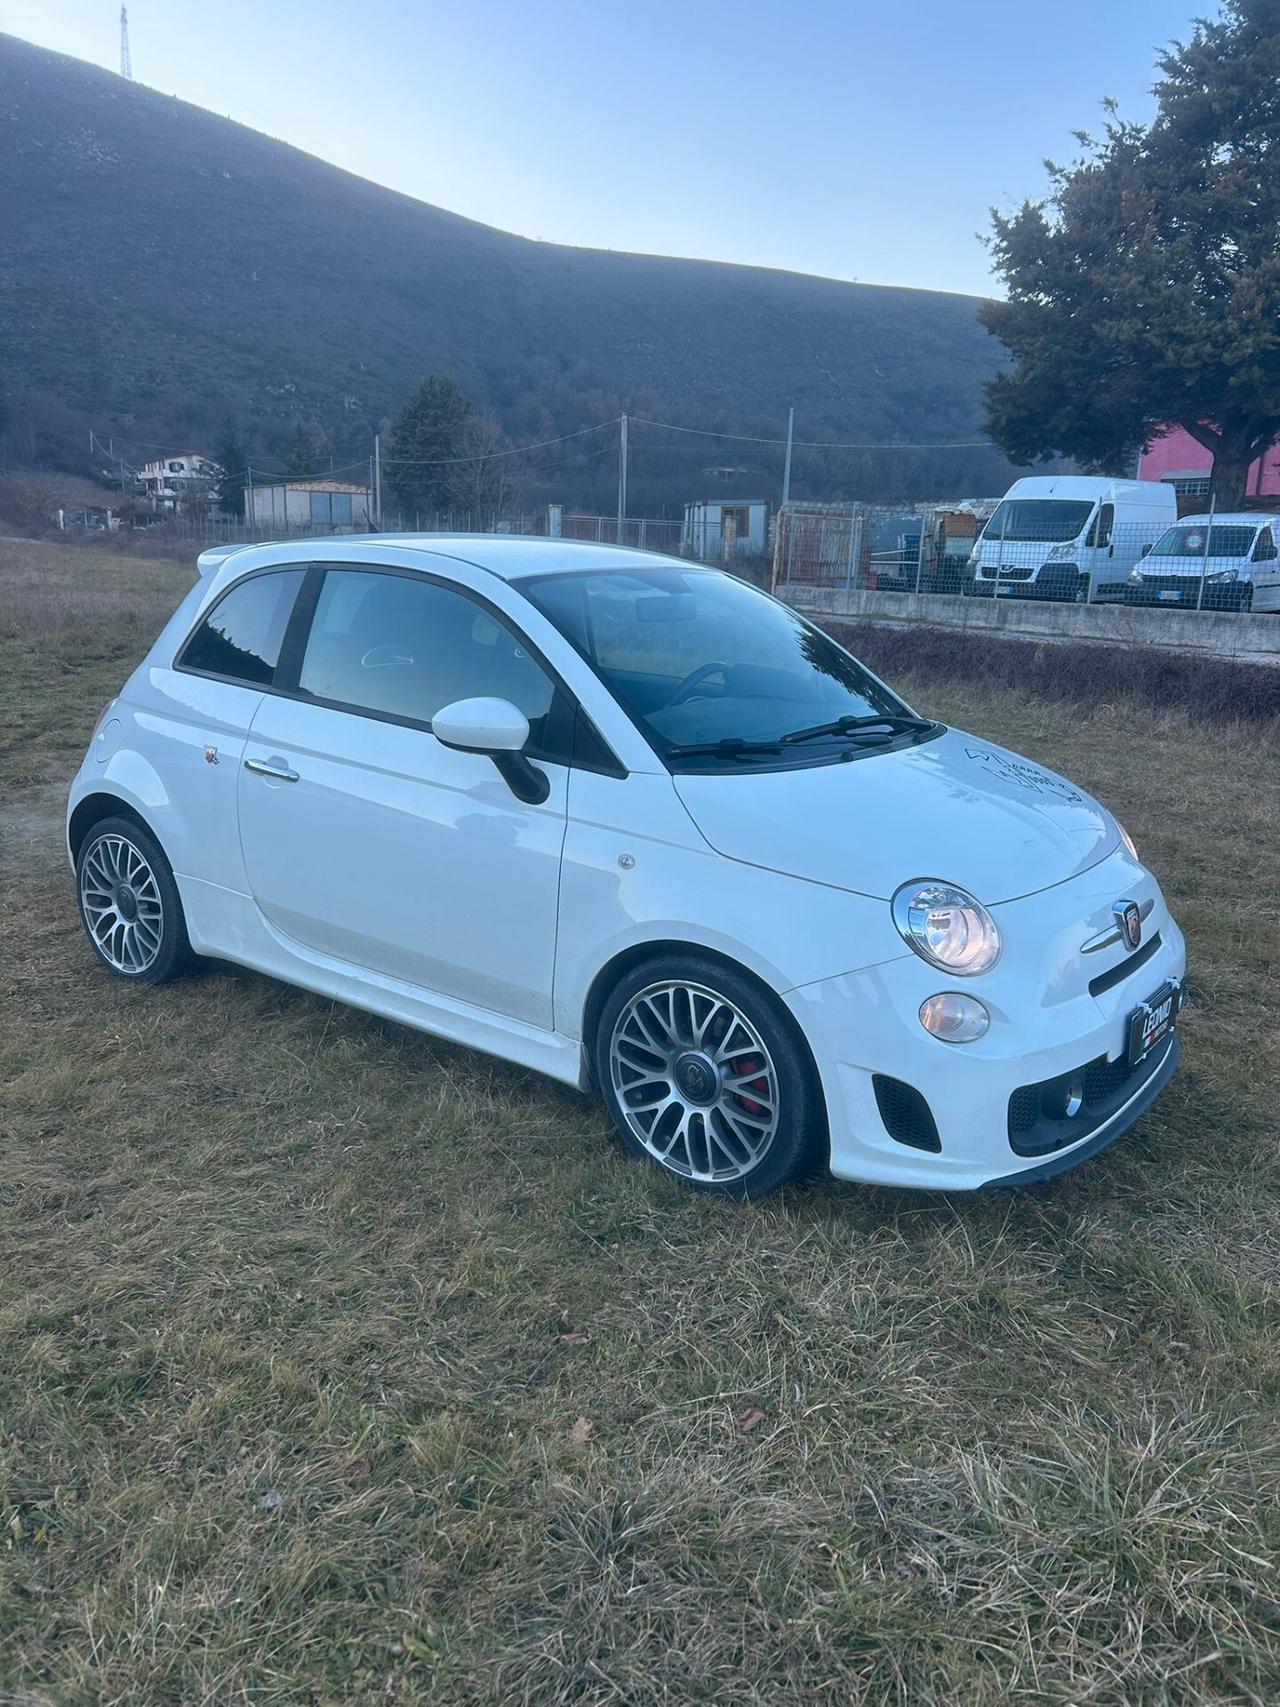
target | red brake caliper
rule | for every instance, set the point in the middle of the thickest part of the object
(749, 1064)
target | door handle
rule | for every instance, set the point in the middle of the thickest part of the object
(281, 773)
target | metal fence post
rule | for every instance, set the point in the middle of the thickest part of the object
(1204, 557)
(924, 526)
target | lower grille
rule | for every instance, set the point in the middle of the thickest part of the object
(907, 1117)
(1038, 1118)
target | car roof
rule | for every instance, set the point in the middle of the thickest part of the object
(506, 555)
(1237, 518)
(1088, 486)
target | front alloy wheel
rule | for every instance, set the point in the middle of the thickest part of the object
(707, 1079)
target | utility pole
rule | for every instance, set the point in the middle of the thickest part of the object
(786, 467)
(377, 479)
(126, 62)
(622, 478)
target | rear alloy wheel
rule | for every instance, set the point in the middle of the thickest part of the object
(704, 1075)
(129, 903)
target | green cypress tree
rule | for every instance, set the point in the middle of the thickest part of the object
(428, 432)
(232, 456)
(299, 455)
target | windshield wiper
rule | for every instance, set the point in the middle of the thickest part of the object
(894, 724)
(730, 747)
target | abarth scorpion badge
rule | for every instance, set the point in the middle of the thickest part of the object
(1129, 918)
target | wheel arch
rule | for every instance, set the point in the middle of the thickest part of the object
(93, 809)
(627, 959)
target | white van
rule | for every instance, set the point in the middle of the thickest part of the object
(1054, 536)
(1233, 564)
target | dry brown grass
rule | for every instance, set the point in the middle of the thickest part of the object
(299, 1311)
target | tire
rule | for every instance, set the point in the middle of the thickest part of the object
(705, 1074)
(1059, 587)
(129, 904)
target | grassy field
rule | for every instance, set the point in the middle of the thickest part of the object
(339, 1365)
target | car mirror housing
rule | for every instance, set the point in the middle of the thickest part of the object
(498, 730)
(481, 726)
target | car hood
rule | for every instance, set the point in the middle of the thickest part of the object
(954, 807)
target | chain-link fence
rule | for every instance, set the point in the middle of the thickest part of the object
(650, 533)
(1068, 550)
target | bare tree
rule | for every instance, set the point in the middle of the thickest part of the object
(480, 482)
(197, 494)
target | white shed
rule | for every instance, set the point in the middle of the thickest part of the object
(325, 506)
(716, 528)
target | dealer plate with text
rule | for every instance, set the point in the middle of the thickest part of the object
(1152, 1021)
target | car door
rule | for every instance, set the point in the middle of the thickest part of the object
(198, 712)
(1264, 570)
(367, 841)
(1098, 553)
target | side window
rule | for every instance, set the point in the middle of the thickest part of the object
(1265, 550)
(241, 636)
(396, 646)
(1103, 524)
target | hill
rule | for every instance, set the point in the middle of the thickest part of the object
(162, 268)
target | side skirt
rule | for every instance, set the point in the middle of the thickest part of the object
(225, 925)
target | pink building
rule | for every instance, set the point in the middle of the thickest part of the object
(1183, 461)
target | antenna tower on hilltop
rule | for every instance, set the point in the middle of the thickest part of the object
(126, 64)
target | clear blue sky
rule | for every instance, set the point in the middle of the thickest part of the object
(858, 140)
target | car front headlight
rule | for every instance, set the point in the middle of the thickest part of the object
(1223, 575)
(1127, 839)
(947, 927)
(1061, 551)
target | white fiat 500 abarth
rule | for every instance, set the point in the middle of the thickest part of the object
(637, 825)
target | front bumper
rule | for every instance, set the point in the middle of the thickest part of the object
(1165, 1066)
(1046, 1023)
(1180, 592)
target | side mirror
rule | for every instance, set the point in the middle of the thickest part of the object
(481, 726)
(1146, 550)
(498, 730)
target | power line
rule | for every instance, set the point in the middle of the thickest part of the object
(823, 444)
(489, 455)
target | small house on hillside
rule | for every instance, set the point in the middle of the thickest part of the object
(325, 506)
(168, 480)
(716, 529)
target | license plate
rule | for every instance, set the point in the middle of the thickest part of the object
(1152, 1021)
(1170, 595)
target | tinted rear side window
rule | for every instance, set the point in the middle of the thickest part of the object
(242, 635)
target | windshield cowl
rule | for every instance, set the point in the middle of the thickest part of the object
(849, 735)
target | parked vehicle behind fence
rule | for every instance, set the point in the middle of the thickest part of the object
(1059, 536)
(1220, 562)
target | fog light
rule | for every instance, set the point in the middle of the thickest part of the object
(954, 1018)
(1070, 1100)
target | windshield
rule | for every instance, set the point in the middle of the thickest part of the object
(1048, 521)
(695, 656)
(1192, 541)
